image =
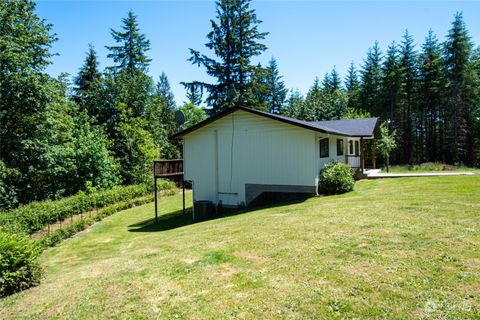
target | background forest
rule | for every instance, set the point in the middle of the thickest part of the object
(102, 128)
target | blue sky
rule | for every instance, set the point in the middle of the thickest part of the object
(307, 38)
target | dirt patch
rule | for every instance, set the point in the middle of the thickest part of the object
(250, 257)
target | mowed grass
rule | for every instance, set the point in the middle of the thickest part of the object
(393, 249)
(429, 167)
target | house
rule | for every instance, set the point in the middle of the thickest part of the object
(236, 155)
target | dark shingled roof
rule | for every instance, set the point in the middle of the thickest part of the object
(349, 128)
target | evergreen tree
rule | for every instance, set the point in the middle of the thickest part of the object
(129, 55)
(194, 93)
(277, 92)
(392, 84)
(295, 105)
(459, 83)
(127, 80)
(335, 81)
(352, 85)
(431, 102)
(312, 102)
(87, 85)
(327, 83)
(235, 41)
(409, 65)
(370, 93)
(161, 118)
(258, 95)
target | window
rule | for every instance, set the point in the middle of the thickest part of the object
(357, 148)
(350, 147)
(339, 147)
(324, 148)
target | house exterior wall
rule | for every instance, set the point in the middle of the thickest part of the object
(332, 147)
(243, 148)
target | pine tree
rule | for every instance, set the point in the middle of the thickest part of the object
(335, 81)
(370, 94)
(161, 118)
(258, 95)
(235, 41)
(327, 83)
(87, 84)
(457, 54)
(277, 92)
(194, 93)
(312, 102)
(392, 77)
(295, 105)
(431, 92)
(409, 64)
(127, 81)
(352, 85)
(129, 55)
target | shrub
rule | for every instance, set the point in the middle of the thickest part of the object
(336, 178)
(19, 268)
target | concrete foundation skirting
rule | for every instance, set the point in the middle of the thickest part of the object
(252, 191)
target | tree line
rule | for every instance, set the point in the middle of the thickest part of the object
(100, 129)
(105, 127)
(430, 97)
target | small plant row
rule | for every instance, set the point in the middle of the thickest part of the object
(19, 267)
(37, 215)
(68, 231)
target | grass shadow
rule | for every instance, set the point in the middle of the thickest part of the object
(177, 219)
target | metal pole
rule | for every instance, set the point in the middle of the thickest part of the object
(156, 205)
(183, 194)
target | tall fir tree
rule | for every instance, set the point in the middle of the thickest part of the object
(411, 132)
(312, 101)
(295, 104)
(277, 93)
(127, 79)
(161, 118)
(352, 85)
(194, 94)
(370, 94)
(235, 40)
(335, 80)
(432, 92)
(327, 83)
(458, 48)
(129, 55)
(87, 85)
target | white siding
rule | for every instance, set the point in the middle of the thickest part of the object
(332, 147)
(264, 151)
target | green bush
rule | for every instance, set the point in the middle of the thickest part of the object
(36, 215)
(19, 268)
(336, 178)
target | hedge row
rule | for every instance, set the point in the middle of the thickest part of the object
(36, 215)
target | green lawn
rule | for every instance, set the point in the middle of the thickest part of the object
(393, 249)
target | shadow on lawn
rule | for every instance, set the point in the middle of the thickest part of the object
(177, 219)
